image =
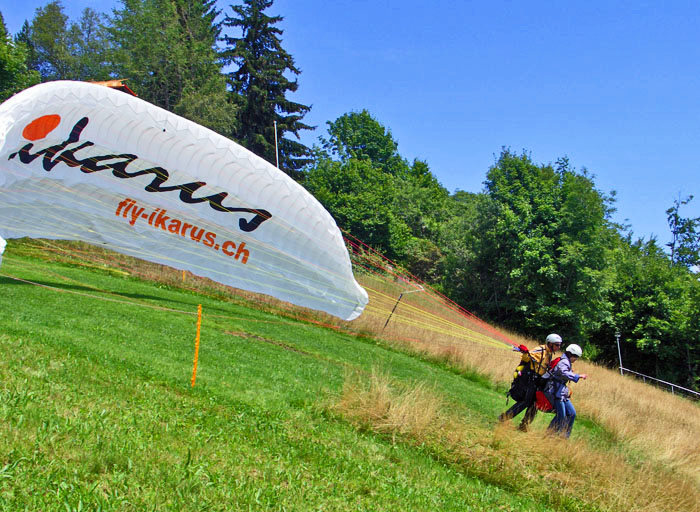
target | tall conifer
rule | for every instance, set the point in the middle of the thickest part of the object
(24, 37)
(259, 87)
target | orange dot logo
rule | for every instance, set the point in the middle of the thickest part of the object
(41, 127)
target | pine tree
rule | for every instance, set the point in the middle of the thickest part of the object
(24, 37)
(88, 46)
(259, 87)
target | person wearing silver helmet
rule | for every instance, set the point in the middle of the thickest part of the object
(559, 392)
(534, 364)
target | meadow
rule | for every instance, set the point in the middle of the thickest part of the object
(293, 410)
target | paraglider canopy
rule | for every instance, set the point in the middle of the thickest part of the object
(80, 161)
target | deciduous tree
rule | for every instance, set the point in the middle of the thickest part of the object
(14, 74)
(542, 255)
(651, 308)
(51, 40)
(685, 235)
(61, 50)
(167, 50)
(360, 136)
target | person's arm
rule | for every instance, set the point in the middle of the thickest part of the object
(563, 372)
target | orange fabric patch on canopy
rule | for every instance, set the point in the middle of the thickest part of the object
(118, 85)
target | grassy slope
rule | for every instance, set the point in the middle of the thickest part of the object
(96, 409)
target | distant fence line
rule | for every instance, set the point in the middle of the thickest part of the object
(684, 391)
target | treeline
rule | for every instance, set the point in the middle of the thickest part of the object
(535, 251)
(224, 70)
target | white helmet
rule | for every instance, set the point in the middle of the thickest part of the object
(554, 338)
(574, 350)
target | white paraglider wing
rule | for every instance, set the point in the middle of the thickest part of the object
(81, 161)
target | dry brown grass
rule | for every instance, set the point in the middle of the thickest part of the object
(662, 427)
(650, 420)
(570, 474)
(412, 412)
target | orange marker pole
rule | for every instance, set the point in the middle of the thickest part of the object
(183, 276)
(196, 344)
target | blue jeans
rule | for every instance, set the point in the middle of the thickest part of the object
(564, 419)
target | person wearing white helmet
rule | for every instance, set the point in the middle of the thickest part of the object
(534, 363)
(560, 394)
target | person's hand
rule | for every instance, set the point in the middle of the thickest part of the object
(522, 348)
(583, 376)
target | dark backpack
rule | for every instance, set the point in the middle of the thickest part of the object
(523, 386)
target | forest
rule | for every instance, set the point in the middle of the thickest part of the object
(535, 251)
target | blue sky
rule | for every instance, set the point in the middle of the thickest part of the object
(615, 86)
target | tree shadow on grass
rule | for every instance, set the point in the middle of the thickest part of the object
(116, 294)
(244, 310)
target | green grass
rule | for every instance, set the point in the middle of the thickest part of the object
(97, 412)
